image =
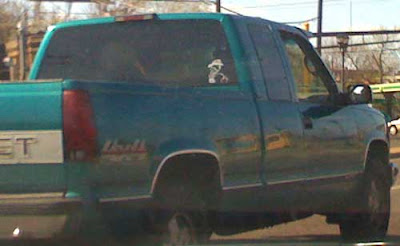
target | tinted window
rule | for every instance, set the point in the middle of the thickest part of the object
(184, 52)
(312, 80)
(270, 62)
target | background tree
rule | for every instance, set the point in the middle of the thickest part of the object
(125, 7)
(39, 17)
(367, 63)
(380, 58)
(11, 12)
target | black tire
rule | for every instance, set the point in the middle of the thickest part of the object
(179, 230)
(370, 222)
(183, 218)
(393, 130)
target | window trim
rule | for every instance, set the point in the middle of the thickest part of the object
(308, 49)
(269, 26)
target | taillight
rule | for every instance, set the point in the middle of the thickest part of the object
(80, 134)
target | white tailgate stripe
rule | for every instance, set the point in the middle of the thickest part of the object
(31, 147)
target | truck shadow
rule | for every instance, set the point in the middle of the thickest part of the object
(325, 240)
(301, 240)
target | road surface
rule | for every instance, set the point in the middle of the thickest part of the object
(313, 229)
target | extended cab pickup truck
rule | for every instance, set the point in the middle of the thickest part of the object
(183, 125)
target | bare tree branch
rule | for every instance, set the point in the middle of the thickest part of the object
(354, 62)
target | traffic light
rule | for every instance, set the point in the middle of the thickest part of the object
(306, 26)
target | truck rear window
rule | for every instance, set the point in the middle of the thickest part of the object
(172, 52)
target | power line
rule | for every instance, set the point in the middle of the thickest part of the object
(204, 1)
(232, 11)
(357, 33)
(290, 4)
(358, 51)
(58, 13)
(362, 44)
(310, 3)
(222, 7)
(300, 22)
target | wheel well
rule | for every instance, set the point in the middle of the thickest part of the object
(380, 150)
(200, 171)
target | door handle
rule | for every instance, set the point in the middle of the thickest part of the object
(307, 122)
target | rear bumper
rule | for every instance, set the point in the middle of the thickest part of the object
(35, 215)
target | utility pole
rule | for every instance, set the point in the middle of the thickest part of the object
(319, 31)
(218, 5)
(69, 8)
(36, 12)
(351, 15)
(22, 45)
(343, 42)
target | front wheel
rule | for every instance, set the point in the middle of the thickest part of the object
(370, 223)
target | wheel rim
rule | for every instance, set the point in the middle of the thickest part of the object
(393, 130)
(180, 230)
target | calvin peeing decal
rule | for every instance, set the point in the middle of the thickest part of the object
(215, 74)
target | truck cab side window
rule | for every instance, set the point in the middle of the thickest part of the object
(270, 62)
(307, 72)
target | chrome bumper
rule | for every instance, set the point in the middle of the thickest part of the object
(395, 172)
(34, 215)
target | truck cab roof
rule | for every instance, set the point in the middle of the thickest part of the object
(176, 16)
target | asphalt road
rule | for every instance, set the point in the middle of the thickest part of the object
(311, 231)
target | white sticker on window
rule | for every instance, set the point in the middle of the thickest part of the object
(215, 74)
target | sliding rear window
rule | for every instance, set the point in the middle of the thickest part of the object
(171, 52)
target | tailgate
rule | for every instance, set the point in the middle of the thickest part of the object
(31, 143)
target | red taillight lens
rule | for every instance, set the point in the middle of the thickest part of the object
(80, 135)
(135, 17)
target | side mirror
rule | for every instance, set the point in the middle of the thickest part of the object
(361, 94)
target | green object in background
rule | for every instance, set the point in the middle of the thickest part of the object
(387, 100)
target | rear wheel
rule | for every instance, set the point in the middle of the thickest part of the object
(370, 223)
(179, 230)
(183, 218)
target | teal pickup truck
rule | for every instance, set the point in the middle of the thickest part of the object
(184, 125)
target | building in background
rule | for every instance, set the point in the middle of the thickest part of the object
(13, 51)
(4, 71)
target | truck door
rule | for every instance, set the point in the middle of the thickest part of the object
(332, 149)
(280, 119)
